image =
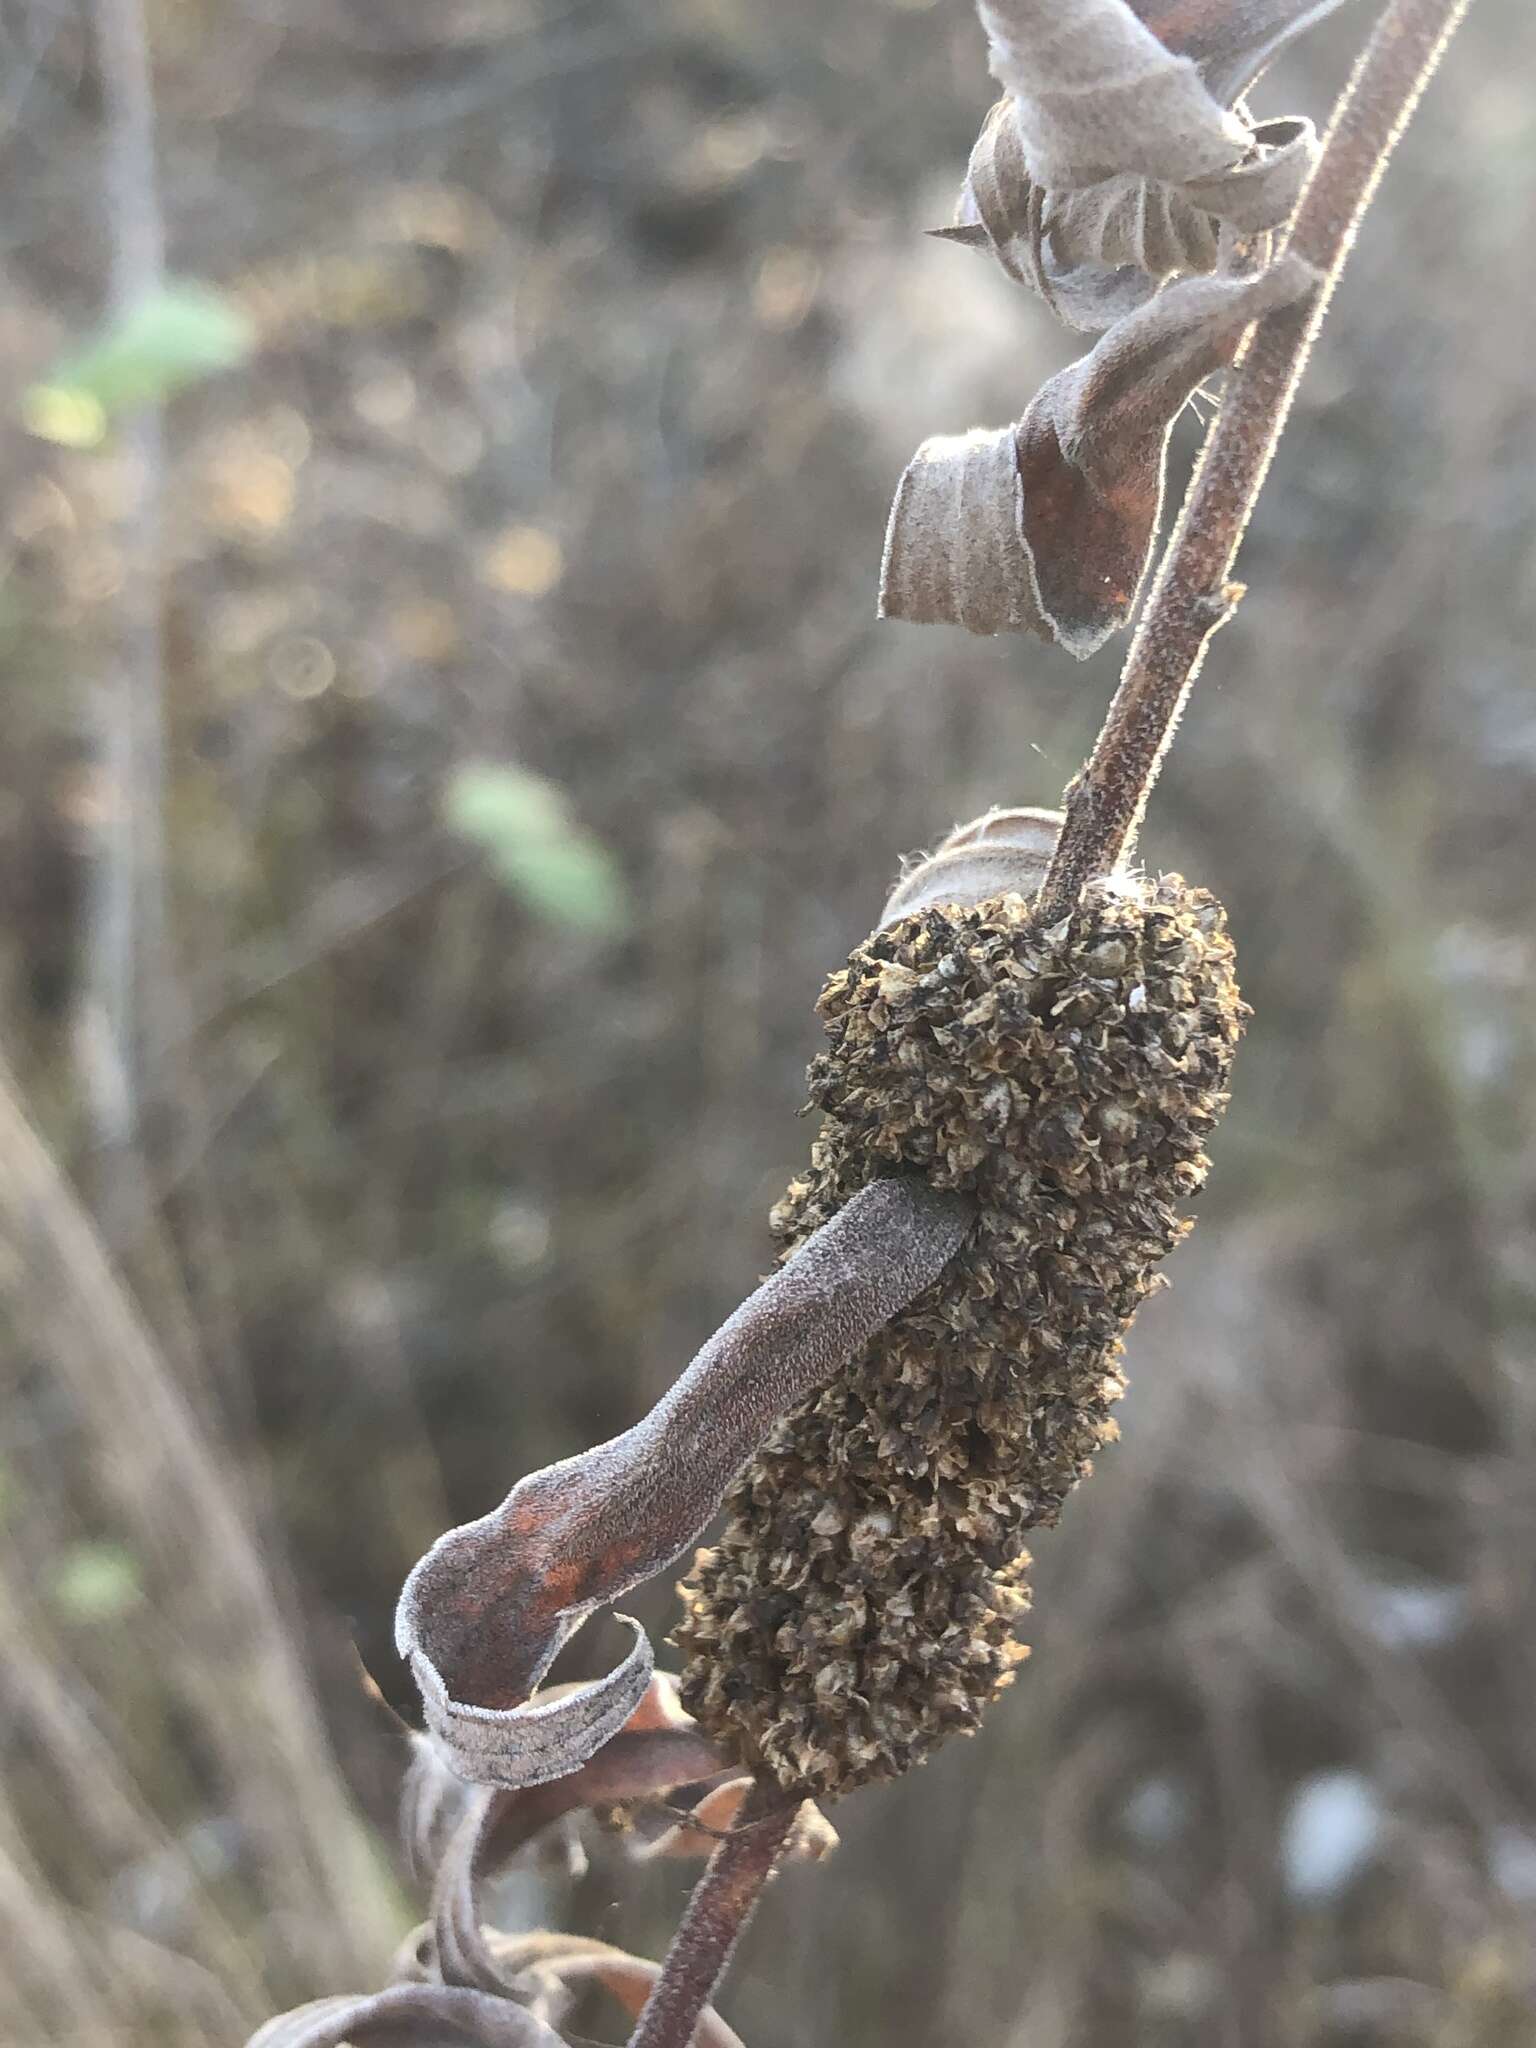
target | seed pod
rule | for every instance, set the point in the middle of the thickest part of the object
(861, 1602)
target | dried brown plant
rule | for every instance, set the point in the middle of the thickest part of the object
(1023, 1064)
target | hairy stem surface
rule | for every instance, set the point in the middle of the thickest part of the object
(723, 1902)
(1192, 596)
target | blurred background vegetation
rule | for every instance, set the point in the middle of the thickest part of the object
(447, 742)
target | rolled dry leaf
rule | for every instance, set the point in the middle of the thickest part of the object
(658, 1748)
(541, 1973)
(535, 1740)
(1098, 251)
(1096, 92)
(1047, 526)
(1001, 853)
(464, 1833)
(1118, 157)
(1259, 194)
(568, 1963)
(954, 547)
(1091, 447)
(485, 1612)
(811, 1839)
(411, 2016)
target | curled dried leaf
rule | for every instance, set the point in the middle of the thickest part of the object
(531, 1742)
(465, 1832)
(954, 548)
(1047, 526)
(1091, 208)
(1096, 92)
(659, 1748)
(485, 1612)
(1100, 251)
(412, 2016)
(1001, 853)
(811, 1838)
(558, 1965)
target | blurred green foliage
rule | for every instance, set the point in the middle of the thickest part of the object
(184, 332)
(535, 846)
(96, 1581)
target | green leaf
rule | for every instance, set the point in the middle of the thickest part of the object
(96, 1582)
(177, 336)
(535, 845)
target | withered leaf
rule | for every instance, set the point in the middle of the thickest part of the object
(1096, 92)
(463, 1833)
(412, 2016)
(1098, 252)
(812, 1837)
(485, 1612)
(1047, 525)
(563, 1963)
(1001, 853)
(455, 1978)
(1093, 181)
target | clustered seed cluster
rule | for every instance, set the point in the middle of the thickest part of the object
(861, 1603)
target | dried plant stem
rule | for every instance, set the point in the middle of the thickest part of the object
(176, 1498)
(1192, 596)
(126, 958)
(722, 1904)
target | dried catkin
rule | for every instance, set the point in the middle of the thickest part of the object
(861, 1602)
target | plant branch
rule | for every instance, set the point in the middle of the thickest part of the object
(723, 1901)
(1192, 595)
(126, 952)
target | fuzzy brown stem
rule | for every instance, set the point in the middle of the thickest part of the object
(1192, 595)
(723, 1902)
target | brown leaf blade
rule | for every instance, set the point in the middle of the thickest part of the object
(1047, 526)
(486, 1611)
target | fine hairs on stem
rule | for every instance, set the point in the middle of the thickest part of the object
(722, 1903)
(1192, 596)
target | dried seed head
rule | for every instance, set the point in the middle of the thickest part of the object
(861, 1602)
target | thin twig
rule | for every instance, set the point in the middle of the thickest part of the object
(1192, 596)
(723, 1902)
(125, 979)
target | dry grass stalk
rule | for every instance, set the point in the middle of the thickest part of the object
(169, 1488)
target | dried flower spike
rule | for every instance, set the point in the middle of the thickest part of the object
(861, 1602)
